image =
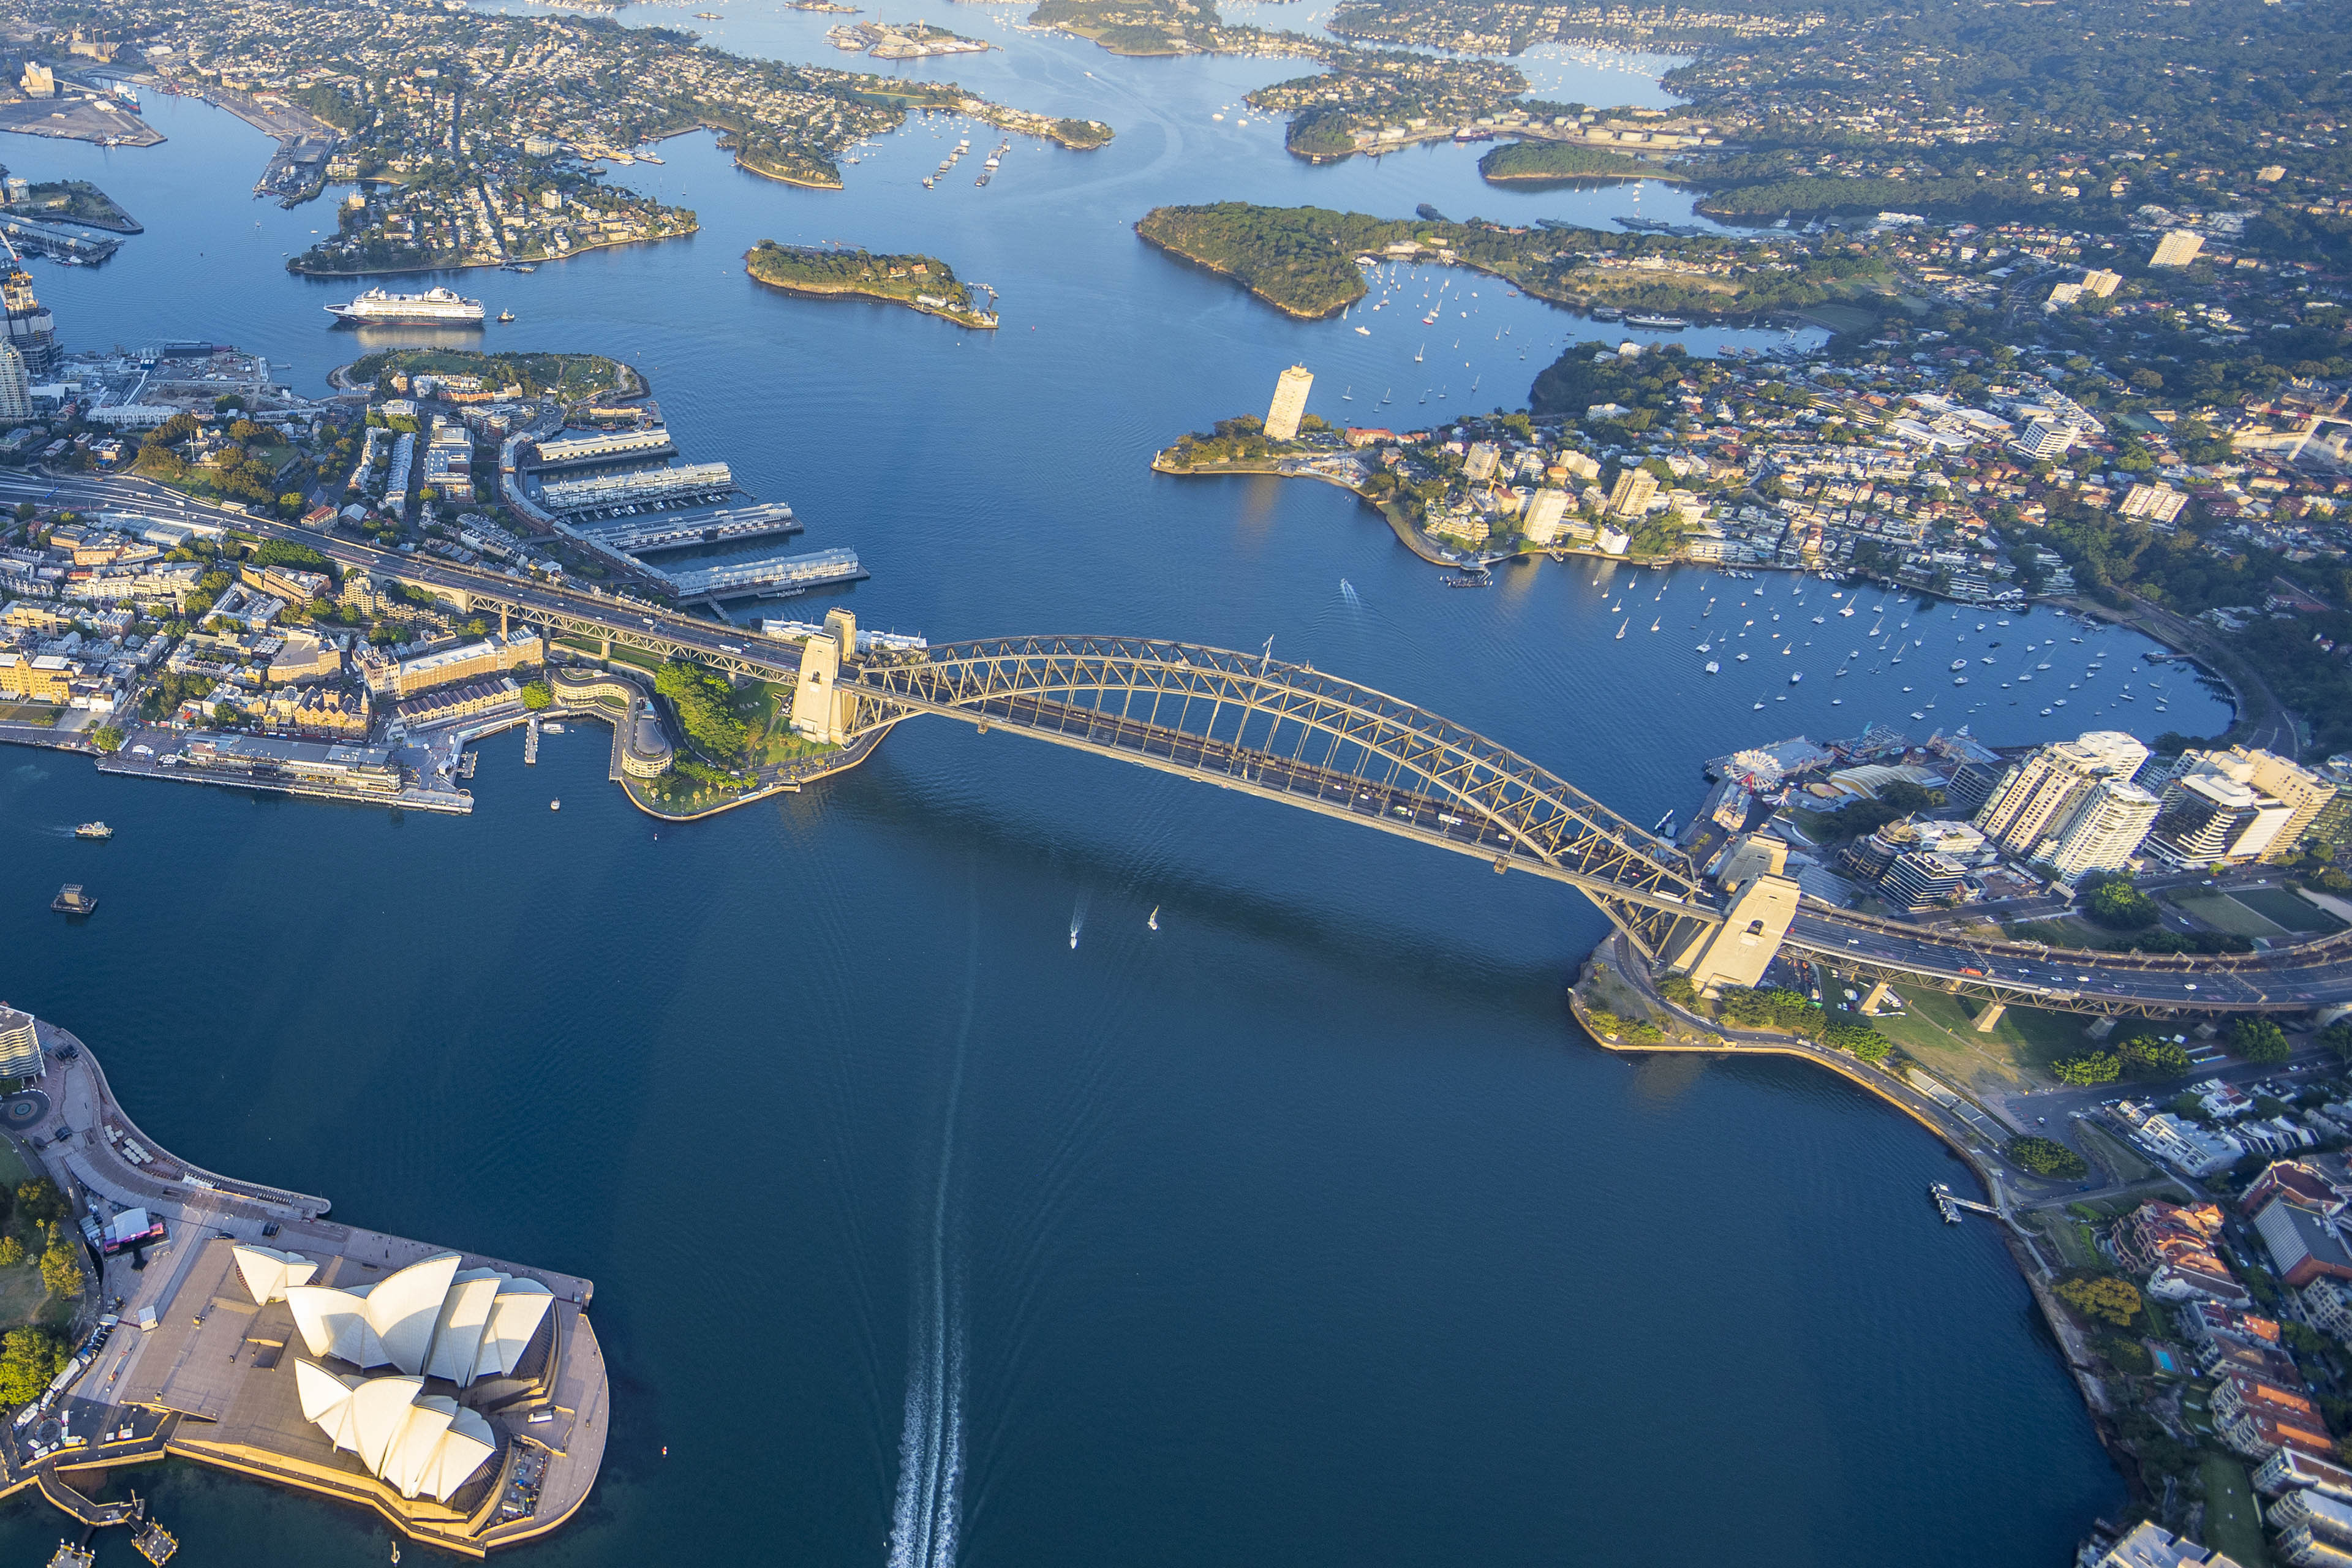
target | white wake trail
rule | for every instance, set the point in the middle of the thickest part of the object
(928, 1513)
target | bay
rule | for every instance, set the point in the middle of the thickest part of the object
(1305, 1230)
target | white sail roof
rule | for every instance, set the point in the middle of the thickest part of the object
(420, 1443)
(465, 1314)
(514, 1318)
(389, 1323)
(427, 1318)
(268, 1272)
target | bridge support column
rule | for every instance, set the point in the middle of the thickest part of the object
(1878, 996)
(1738, 951)
(502, 623)
(1990, 1017)
(608, 647)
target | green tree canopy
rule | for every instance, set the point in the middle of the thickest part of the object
(2046, 1156)
(29, 1359)
(2104, 1298)
(2258, 1040)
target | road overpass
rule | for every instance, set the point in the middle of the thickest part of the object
(1288, 732)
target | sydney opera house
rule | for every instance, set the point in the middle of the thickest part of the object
(461, 1398)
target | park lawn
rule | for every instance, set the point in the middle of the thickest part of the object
(2065, 930)
(2233, 1521)
(772, 742)
(29, 713)
(2122, 1158)
(2282, 907)
(1939, 1032)
(2223, 914)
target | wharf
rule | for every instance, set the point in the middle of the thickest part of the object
(414, 797)
(210, 1378)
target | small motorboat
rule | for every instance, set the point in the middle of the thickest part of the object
(93, 830)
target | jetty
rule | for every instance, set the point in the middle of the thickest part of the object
(1950, 1204)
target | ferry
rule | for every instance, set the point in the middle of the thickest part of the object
(1662, 322)
(434, 307)
(93, 830)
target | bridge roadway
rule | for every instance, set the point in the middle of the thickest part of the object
(1644, 893)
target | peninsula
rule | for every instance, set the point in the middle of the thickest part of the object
(462, 1399)
(1311, 262)
(923, 283)
(72, 200)
(1561, 162)
(481, 139)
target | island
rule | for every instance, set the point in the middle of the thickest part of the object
(72, 200)
(923, 283)
(1311, 262)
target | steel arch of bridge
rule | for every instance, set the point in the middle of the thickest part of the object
(1290, 732)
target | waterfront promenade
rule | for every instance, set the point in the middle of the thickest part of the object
(195, 1368)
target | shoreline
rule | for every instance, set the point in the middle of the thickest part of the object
(301, 271)
(1888, 1091)
(88, 1144)
(969, 322)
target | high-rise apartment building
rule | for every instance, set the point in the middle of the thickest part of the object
(1546, 509)
(32, 331)
(2103, 831)
(2211, 816)
(1630, 497)
(2038, 796)
(2289, 796)
(2179, 247)
(15, 386)
(20, 1044)
(1289, 403)
(1479, 462)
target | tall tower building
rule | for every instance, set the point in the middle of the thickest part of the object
(1289, 403)
(2035, 798)
(31, 332)
(2102, 831)
(15, 386)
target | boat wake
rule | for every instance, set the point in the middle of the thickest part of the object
(1348, 592)
(928, 1513)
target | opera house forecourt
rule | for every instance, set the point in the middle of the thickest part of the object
(462, 1399)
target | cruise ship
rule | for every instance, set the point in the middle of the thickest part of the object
(434, 308)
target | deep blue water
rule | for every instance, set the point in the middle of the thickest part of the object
(1309, 1230)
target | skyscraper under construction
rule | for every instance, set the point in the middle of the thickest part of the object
(31, 332)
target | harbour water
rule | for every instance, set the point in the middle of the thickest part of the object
(941, 1210)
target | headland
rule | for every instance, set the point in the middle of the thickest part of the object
(227, 1327)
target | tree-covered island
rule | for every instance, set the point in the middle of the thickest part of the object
(923, 283)
(1310, 262)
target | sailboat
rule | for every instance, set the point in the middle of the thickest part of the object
(1653, 624)
(1620, 631)
(1348, 395)
(1417, 353)
(1154, 922)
